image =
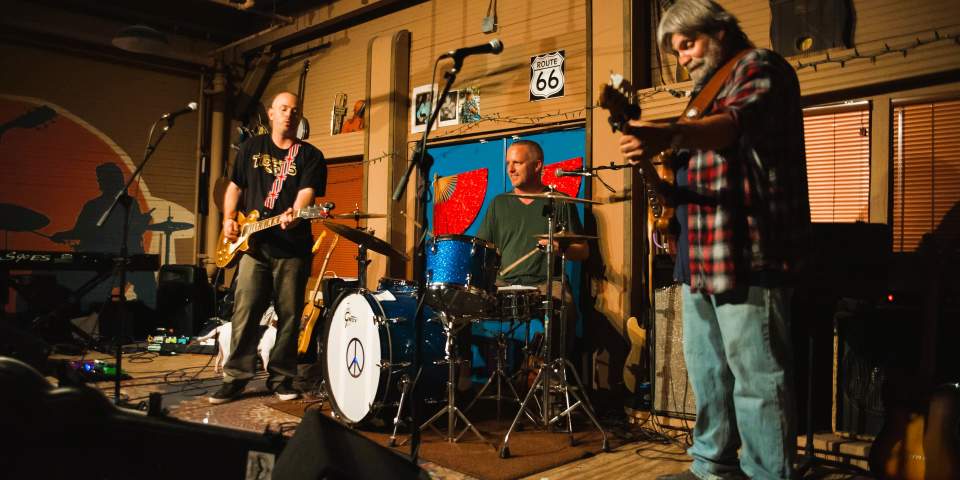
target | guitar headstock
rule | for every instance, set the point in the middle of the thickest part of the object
(311, 212)
(619, 98)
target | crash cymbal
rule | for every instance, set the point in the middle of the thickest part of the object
(361, 237)
(358, 215)
(557, 196)
(15, 218)
(569, 237)
(169, 227)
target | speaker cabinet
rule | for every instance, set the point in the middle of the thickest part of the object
(673, 395)
(323, 448)
(184, 298)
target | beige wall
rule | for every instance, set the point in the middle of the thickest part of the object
(120, 102)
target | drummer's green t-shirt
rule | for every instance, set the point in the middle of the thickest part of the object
(512, 226)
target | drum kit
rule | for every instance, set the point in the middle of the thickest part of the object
(369, 344)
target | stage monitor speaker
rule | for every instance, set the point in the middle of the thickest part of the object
(322, 448)
(673, 395)
(184, 298)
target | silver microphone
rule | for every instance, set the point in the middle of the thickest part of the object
(573, 173)
(191, 107)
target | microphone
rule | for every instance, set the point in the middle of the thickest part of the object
(494, 46)
(191, 107)
(573, 173)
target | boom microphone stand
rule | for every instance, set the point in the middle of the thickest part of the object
(120, 262)
(422, 161)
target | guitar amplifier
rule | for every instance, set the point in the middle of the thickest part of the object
(184, 299)
(672, 395)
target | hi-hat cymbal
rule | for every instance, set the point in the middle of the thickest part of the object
(557, 196)
(568, 237)
(169, 227)
(363, 238)
(358, 215)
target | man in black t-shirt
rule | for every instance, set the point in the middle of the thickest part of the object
(511, 223)
(274, 174)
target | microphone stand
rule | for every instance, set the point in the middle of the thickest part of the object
(422, 161)
(124, 199)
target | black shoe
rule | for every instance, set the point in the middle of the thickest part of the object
(286, 392)
(228, 391)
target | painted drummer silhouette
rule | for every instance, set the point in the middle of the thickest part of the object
(85, 236)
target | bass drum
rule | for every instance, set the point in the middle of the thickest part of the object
(369, 350)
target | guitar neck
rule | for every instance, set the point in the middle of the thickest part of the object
(267, 223)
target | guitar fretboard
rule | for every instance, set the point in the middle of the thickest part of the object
(267, 223)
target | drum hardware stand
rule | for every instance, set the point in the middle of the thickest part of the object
(500, 376)
(404, 389)
(553, 367)
(453, 361)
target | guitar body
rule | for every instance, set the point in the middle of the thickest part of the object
(311, 313)
(897, 452)
(314, 309)
(920, 445)
(227, 251)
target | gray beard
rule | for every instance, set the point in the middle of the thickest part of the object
(711, 62)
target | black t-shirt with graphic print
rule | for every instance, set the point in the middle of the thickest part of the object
(258, 162)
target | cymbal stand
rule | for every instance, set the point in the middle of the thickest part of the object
(453, 361)
(553, 367)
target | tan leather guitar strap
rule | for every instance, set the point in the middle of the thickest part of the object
(699, 104)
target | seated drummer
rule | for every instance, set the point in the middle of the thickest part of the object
(512, 223)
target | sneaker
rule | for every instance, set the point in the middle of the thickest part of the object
(285, 392)
(228, 391)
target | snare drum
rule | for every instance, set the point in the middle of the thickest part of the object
(519, 302)
(461, 274)
(369, 347)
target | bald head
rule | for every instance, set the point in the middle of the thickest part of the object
(284, 114)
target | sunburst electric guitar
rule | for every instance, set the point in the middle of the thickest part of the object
(249, 224)
(315, 304)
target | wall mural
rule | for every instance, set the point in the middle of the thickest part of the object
(61, 174)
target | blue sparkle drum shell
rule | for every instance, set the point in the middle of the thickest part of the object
(369, 348)
(461, 274)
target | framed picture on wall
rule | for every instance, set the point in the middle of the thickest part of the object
(421, 107)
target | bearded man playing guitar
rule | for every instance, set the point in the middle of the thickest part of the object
(741, 201)
(273, 174)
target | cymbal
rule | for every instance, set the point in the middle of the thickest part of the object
(169, 227)
(16, 218)
(361, 237)
(557, 196)
(358, 215)
(568, 237)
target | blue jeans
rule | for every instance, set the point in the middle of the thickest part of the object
(739, 358)
(260, 281)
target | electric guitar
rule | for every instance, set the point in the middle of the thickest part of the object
(249, 224)
(35, 118)
(919, 439)
(620, 100)
(314, 307)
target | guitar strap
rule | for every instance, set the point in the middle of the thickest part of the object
(699, 104)
(281, 176)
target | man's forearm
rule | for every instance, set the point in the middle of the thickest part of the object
(231, 198)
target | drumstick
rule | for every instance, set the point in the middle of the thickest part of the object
(518, 262)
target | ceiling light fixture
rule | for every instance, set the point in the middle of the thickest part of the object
(141, 39)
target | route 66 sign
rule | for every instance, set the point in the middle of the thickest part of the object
(546, 75)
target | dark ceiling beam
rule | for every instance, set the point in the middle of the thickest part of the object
(287, 37)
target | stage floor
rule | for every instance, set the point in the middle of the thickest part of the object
(186, 380)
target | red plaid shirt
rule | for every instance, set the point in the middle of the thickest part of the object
(759, 216)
